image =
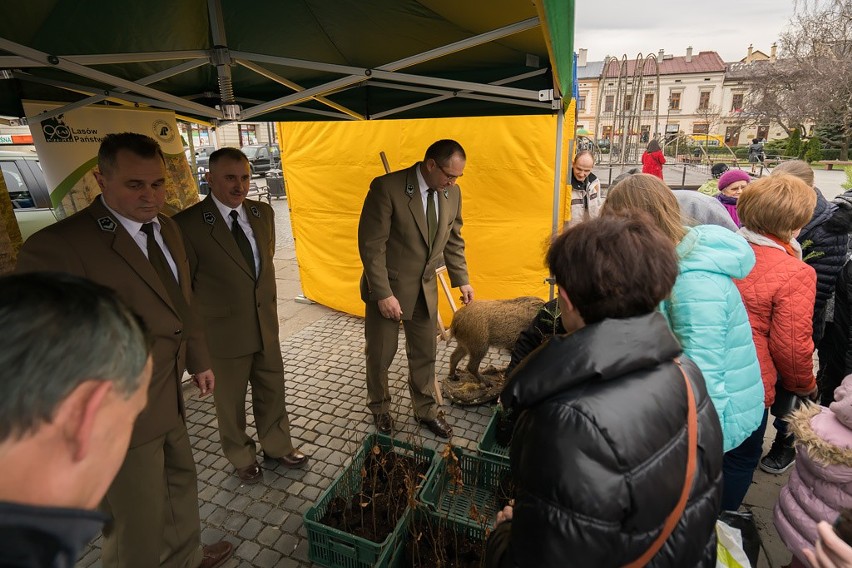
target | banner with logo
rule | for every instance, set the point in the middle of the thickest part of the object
(67, 147)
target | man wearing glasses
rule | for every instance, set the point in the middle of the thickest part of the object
(411, 222)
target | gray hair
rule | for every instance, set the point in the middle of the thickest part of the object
(60, 331)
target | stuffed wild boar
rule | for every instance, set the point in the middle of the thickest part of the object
(489, 323)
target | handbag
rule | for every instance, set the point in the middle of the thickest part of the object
(691, 464)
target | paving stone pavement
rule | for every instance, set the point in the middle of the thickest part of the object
(326, 400)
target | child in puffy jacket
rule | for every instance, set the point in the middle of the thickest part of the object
(821, 482)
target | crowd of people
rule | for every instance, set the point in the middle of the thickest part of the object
(687, 320)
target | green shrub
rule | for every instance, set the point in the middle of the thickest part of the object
(848, 183)
(794, 144)
(813, 150)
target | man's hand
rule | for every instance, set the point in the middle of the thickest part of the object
(504, 515)
(205, 381)
(390, 308)
(831, 551)
(812, 395)
(467, 293)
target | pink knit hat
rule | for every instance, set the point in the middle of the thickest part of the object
(732, 176)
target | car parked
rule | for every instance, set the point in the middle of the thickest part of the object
(262, 158)
(28, 191)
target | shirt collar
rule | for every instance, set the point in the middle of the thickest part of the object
(424, 187)
(225, 211)
(132, 227)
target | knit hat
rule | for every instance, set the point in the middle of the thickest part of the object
(732, 176)
(718, 169)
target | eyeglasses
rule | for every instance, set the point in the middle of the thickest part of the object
(449, 176)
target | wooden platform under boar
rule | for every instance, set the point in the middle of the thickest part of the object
(480, 325)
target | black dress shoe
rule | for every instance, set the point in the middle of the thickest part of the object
(384, 422)
(250, 474)
(439, 426)
(293, 459)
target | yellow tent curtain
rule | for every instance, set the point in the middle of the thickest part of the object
(507, 198)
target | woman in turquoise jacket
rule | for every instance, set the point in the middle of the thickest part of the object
(705, 310)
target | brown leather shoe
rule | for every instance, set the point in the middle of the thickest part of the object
(250, 474)
(216, 554)
(293, 459)
(384, 422)
(439, 426)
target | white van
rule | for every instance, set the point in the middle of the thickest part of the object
(28, 190)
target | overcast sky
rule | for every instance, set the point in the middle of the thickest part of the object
(616, 27)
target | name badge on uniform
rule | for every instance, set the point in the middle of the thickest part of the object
(107, 224)
(209, 217)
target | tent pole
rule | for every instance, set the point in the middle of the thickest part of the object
(557, 178)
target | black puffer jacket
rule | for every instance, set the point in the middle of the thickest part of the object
(823, 242)
(600, 450)
(546, 324)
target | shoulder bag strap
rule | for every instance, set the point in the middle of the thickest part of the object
(674, 517)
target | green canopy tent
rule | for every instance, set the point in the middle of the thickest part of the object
(276, 60)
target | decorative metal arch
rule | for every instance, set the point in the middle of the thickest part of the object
(627, 123)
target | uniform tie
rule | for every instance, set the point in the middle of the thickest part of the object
(431, 216)
(242, 241)
(164, 271)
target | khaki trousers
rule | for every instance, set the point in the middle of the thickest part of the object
(265, 371)
(382, 341)
(153, 504)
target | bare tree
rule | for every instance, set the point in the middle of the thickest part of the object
(709, 115)
(812, 80)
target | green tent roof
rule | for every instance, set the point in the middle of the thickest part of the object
(290, 59)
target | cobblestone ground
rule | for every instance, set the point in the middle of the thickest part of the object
(326, 400)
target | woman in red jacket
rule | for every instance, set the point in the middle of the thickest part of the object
(779, 297)
(653, 160)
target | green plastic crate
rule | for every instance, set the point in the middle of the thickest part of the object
(481, 481)
(401, 557)
(488, 445)
(333, 548)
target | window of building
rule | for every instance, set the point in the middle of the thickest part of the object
(607, 132)
(701, 128)
(628, 102)
(674, 101)
(648, 103)
(645, 133)
(737, 102)
(609, 103)
(704, 100)
(581, 102)
(248, 134)
(732, 136)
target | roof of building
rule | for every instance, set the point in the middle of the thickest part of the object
(703, 62)
(592, 70)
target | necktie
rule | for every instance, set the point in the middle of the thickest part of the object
(431, 216)
(164, 271)
(242, 241)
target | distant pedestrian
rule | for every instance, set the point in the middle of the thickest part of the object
(731, 185)
(711, 186)
(755, 154)
(653, 160)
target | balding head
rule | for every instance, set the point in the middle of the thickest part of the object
(583, 164)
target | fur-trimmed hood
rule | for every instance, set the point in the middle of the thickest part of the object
(827, 440)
